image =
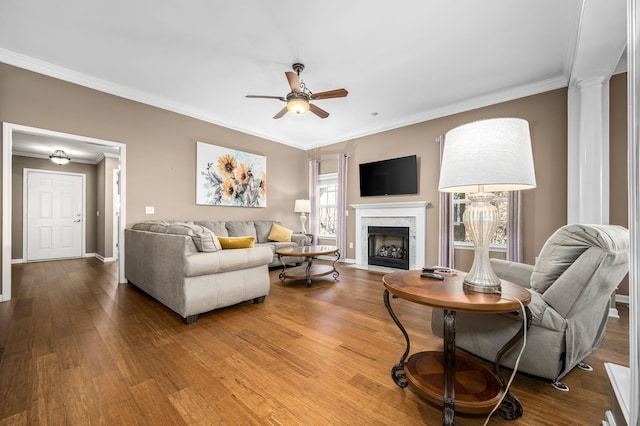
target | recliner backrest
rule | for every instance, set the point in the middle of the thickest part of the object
(581, 261)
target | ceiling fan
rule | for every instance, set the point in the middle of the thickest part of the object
(298, 100)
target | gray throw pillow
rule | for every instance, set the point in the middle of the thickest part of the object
(206, 241)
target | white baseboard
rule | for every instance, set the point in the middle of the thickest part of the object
(96, 255)
(621, 298)
(613, 313)
(105, 259)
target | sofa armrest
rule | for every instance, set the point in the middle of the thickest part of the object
(517, 273)
(301, 239)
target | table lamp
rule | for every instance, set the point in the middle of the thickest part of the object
(303, 207)
(480, 158)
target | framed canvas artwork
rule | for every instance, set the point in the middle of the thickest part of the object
(228, 177)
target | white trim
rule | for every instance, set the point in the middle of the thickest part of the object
(417, 239)
(619, 377)
(66, 74)
(16, 261)
(633, 175)
(83, 228)
(7, 146)
(621, 298)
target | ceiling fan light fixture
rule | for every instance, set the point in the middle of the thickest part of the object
(297, 106)
(59, 157)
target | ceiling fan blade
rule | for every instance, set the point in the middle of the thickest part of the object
(318, 111)
(338, 93)
(280, 113)
(267, 97)
(294, 81)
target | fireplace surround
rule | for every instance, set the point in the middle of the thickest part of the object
(405, 214)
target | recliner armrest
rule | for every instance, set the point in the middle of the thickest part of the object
(517, 273)
(300, 239)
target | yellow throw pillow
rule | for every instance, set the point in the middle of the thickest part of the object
(280, 234)
(237, 242)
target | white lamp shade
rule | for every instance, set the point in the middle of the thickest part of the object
(302, 206)
(495, 153)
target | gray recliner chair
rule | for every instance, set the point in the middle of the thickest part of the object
(571, 285)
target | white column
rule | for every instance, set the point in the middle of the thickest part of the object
(588, 152)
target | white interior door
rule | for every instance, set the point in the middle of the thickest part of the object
(54, 215)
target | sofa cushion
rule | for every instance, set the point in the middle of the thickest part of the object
(237, 242)
(241, 228)
(217, 228)
(280, 233)
(226, 260)
(263, 227)
(157, 225)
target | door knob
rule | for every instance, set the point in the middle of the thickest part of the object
(76, 221)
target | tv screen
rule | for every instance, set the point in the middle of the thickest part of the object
(396, 176)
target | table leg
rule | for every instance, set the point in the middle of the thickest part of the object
(511, 407)
(397, 371)
(281, 276)
(449, 394)
(336, 274)
(308, 272)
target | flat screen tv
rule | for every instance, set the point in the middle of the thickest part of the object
(396, 176)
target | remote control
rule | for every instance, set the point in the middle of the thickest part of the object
(433, 276)
(428, 270)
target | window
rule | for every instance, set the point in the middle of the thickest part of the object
(460, 236)
(327, 204)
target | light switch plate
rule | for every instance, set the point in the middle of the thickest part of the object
(149, 210)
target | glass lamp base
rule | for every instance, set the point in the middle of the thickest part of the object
(481, 220)
(482, 288)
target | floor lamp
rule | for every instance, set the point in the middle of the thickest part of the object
(480, 158)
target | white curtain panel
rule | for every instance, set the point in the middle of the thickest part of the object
(514, 231)
(445, 252)
(313, 197)
(341, 219)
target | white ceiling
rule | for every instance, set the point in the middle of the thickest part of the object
(402, 62)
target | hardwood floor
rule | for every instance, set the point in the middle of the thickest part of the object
(76, 348)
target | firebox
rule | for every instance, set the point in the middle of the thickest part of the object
(389, 246)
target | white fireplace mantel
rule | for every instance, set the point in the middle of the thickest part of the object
(411, 214)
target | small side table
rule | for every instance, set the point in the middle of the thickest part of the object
(433, 374)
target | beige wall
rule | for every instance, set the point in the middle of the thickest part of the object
(545, 207)
(18, 165)
(161, 147)
(105, 212)
(161, 154)
(618, 184)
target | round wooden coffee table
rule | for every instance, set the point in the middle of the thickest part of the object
(308, 271)
(457, 383)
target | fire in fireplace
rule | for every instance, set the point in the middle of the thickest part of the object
(389, 246)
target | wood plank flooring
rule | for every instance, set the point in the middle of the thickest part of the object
(78, 349)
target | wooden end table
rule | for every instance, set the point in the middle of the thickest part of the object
(308, 271)
(433, 374)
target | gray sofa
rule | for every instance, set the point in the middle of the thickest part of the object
(571, 284)
(259, 229)
(182, 265)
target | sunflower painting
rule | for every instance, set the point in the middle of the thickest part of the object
(227, 177)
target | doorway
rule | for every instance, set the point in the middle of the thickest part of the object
(11, 131)
(54, 225)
